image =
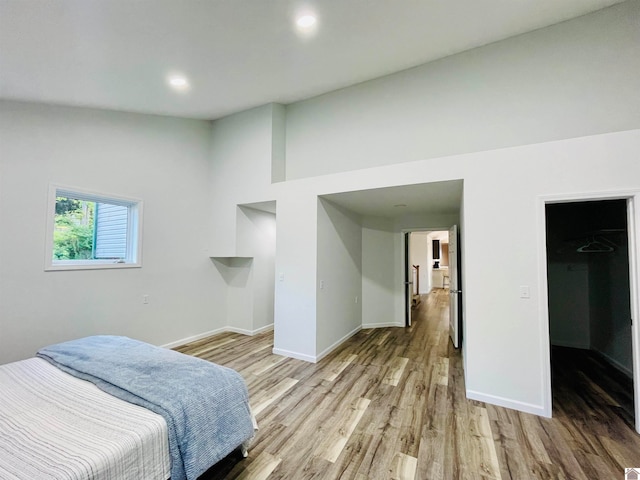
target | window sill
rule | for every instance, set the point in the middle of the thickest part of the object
(89, 266)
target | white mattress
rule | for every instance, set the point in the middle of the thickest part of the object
(55, 426)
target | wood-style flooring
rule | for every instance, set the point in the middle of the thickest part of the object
(390, 404)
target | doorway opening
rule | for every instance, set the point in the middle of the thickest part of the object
(590, 303)
(431, 260)
(427, 254)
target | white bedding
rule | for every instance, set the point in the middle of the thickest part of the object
(55, 426)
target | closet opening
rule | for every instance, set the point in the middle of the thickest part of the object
(590, 309)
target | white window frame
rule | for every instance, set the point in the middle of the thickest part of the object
(134, 230)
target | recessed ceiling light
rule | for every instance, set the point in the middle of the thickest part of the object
(306, 21)
(178, 82)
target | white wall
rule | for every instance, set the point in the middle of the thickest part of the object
(419, 255)
(504, 333)
(501, 329)
(379, 282)
(237, 273)
(257, 239)
(339, 276)
(241, 152)
(162, 161)
(573, 79)
(430, 263)
(296, 263)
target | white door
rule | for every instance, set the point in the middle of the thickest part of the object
(454, 291)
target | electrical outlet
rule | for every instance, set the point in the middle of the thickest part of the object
(145, 299)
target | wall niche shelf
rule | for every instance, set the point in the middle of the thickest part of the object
(233, 261)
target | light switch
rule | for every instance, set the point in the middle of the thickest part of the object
(524, 291)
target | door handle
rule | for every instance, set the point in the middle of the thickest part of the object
(455, 291)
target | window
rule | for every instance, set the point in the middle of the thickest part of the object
(87, 230)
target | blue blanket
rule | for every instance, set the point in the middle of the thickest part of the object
(206, 406)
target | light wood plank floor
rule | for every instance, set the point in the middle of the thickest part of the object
(390, 404)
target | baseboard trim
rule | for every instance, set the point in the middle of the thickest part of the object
(296, 355)
(250, 333)
(507, 403)
(610, 360)
(381, 325)
(324, 353)
(614, 363)
(337, 343)
(266, 328)
(200, 336)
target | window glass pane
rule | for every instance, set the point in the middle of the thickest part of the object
(111, 224)
(86, 230)
(74, 229)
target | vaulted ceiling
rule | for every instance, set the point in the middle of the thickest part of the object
(237, 54)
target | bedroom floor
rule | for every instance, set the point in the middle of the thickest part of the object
(390, 403)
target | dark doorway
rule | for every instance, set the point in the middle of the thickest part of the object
(589, 303)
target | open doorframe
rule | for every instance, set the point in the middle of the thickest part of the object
(633, 226)
(405, 249)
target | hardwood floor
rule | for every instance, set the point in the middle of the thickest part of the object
(390, 404)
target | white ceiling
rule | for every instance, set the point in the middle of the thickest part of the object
(238, 54)
(424, 198)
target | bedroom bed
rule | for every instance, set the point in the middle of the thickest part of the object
(114, 408)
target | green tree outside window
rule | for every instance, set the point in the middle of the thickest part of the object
(73, 235)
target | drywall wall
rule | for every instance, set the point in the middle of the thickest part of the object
(296, 263)
(569, 304)
(573, 79)
(429, 264)
(237, 273)
(497, 321)
(339, 276)
(241, 151)
(609, 305)
(164, 162)
(379, 282)
(419, 255)
(502, 193)
(257, 239)
(244, 157)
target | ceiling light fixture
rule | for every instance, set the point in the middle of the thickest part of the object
(178, 82)
(400, 205)
(306, 21)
